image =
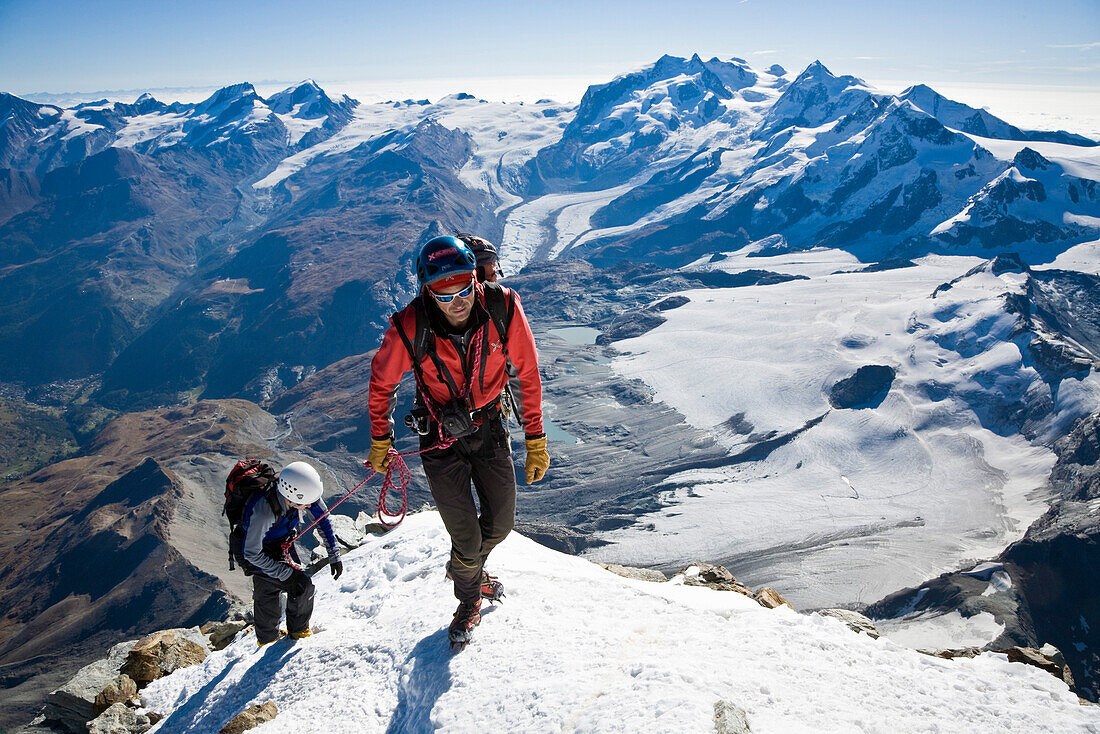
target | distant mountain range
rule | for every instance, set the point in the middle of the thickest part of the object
(192, 234)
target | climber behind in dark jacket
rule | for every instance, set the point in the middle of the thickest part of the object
(298, 488)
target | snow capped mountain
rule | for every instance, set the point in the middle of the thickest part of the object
(236, 115)
(612, 654)
(829, 161)
(979, 122)
(306, 108)
(1015, 206)
(812, 99)
(624, 125)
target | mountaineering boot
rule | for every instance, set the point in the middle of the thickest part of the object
(279, 635)
(307, 632)
(491, 589)
(467, 616)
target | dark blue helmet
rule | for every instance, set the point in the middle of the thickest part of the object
(443, 257)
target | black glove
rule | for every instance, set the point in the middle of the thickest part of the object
(337, 568)
(299, 583)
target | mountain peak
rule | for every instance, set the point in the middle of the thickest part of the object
(816, 70)
(1030, 160)
(226, 95)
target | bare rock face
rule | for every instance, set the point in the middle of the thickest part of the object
(770, 598)
(865, 389)
(730, 718)
(160, 653)
(962, 652)
(73, 704)
(347, 532)
(221, 634)
(120, 690)
(855, 621)
(630, 572)
(121, 719)
(714, 577)
(1049, 658)
(250, 718)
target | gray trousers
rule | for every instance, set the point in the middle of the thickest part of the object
(266, 607)
(485, 458)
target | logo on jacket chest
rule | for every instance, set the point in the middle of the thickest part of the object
(494, 347)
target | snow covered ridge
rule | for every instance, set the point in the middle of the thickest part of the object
(579, 649)
(33, 132)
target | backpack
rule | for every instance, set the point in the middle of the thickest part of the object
(500, 308)
(244, 480)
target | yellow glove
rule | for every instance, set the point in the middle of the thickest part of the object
(379, 457)
(538, 460)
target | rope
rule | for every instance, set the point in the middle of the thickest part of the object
(397, 461)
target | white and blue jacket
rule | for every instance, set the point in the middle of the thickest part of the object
(265, 533)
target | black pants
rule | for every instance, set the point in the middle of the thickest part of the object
(486, 458)
(266, 608)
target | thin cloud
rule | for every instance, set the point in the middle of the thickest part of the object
(1082, 46)
(765, 53)
(868, 58)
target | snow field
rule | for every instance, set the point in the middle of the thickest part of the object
(574, 648)
(865, 501)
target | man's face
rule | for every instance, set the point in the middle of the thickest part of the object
(456, 307)
(488, 273)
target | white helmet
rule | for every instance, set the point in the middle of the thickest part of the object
(299, 483)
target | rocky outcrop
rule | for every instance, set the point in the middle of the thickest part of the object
(156, 655)
(122, 689)
(122, 719)
(866, 388)
(1048, 658)
(630, 572)
(69, 707)
(720, 578)
(250, 718)
(768, 597)
(630, 325)
(854, 620)
(729, 718)
(102, 697)
(220, 634)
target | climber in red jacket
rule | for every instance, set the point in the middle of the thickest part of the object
(458, 336)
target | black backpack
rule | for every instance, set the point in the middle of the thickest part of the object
(244, 480)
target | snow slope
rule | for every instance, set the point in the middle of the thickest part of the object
(504, 137)
(574, 648)
(859, 502)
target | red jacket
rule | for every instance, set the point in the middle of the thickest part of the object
(393, 360)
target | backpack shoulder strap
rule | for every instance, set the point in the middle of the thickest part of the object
(501, 308)
(271, 493)
(420, 346)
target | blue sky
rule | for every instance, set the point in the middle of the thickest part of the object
(68, 45)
